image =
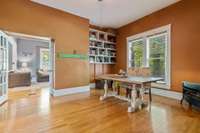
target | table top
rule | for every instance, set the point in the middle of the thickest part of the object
(129, 79)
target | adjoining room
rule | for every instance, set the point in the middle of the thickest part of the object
(92, 66)
(29, 63)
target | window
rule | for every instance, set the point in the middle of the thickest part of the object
(137, 53)
(44, 59)
(151, 49)
(156, 56)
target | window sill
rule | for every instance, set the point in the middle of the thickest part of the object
(160, 85)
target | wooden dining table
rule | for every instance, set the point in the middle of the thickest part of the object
(136, 84)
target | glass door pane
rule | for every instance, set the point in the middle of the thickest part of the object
(44, 59)
(1, 90)
(1, 58)
(3, 67)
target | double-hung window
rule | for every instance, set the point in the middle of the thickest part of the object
(151, 49)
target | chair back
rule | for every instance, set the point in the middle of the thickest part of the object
(133, 71)
(143, 71)
(191, 86)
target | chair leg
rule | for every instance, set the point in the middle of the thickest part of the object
(182, 100)
(190, 104)
(127, 92)
(150, 96)
(118, 90)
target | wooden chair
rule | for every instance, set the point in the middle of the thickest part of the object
(145, 72)
(133, 71)
(191, 93)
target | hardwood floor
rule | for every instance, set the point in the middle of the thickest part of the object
(84, 113)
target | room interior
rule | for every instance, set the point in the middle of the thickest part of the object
(28, 63)
(114, 66)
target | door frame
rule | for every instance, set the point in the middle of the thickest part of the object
(4, 97)
(51, 44)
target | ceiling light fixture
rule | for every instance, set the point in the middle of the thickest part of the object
(100, 12)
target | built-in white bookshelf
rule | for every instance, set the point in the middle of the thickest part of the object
(102, 47)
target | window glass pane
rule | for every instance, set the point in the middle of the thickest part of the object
(157, 67)
(157, 55)
(137, 53)
(157, 46)
(44, 58)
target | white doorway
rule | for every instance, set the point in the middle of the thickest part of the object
(46, 63)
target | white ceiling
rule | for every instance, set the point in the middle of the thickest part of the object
(109, 13)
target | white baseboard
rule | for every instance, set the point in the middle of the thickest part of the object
(167, 93)
(160, 92)
(68, 91)
(92, 85)
(74, 90)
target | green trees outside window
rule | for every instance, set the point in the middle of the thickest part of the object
(137, 54)
(150, 52)
(157, 56)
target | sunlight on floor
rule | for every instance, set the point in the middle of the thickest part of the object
(44, 104)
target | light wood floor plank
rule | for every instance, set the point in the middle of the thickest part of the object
(85, 113)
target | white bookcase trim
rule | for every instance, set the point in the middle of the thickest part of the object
(109, 54)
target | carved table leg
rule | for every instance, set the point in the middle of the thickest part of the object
(141, 99)
(142, 92)
(132, 106)
(113, 86)
(150, 95)
(105, 90)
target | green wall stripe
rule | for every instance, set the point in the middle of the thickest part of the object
(76, 56)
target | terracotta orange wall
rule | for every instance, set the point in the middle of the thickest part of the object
(184, 17)
(69, 31)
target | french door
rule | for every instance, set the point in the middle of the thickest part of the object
(3, 67)
(51, 62)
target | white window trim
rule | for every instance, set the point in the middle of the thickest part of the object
(41, 50)
(166, 28)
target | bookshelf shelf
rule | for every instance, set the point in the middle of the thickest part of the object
(102, 47)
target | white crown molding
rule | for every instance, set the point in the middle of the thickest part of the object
(68, 91)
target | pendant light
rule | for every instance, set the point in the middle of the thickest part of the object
(100, 12)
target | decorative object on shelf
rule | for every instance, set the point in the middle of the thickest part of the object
(76, 56)
(122, 73)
